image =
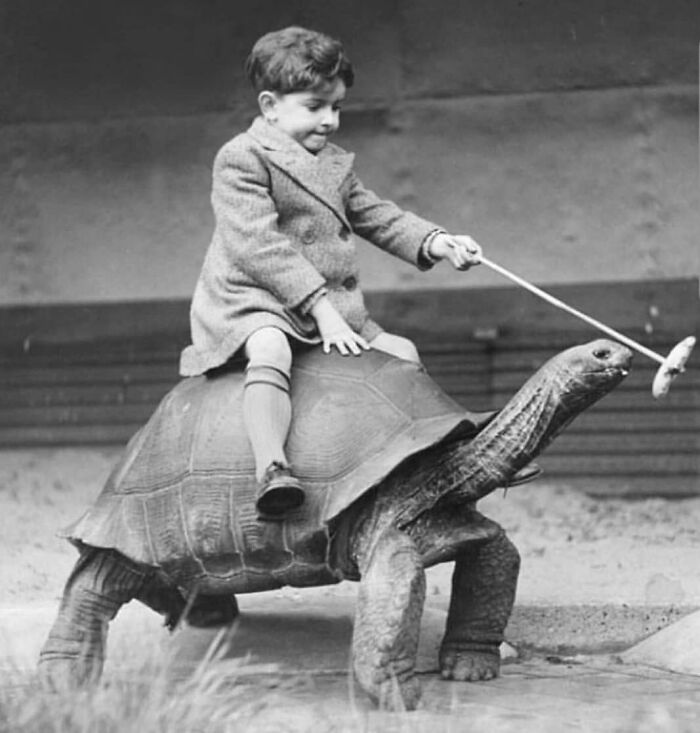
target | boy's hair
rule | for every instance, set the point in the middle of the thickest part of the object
(295, 59)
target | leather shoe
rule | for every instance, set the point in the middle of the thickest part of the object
(279, 493)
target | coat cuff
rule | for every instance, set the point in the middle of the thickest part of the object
(310, 301)
(426, 260)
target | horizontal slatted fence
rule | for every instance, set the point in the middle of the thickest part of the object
(93, 373)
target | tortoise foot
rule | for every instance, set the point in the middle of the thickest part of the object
(469, 666)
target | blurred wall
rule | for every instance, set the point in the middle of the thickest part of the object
(563, 136)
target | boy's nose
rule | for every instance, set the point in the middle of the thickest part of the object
(330, 118)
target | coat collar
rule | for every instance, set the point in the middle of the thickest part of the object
(321, 174)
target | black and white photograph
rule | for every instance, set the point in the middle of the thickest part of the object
(348, 378)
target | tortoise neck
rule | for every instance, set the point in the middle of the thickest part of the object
(517, 435)
(468, 470)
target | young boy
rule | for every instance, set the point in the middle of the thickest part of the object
(281, 268)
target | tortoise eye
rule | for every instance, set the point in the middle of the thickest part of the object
(602, 353)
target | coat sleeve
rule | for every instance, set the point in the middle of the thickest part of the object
(387, 226)
(247, 223)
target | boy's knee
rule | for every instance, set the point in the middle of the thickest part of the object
(269, 347)
(408, 350)
(398, 346)
(269, 358)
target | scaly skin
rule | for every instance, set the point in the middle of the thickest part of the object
(387, 622)
(101, 582)
(483, 593)
(483, 586)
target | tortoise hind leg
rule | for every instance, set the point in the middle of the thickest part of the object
(206, 611)
(387, 621)
(101, 582)
(201, 611)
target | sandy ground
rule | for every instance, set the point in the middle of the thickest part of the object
(575, 549)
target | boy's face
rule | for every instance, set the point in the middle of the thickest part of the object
(309, 117)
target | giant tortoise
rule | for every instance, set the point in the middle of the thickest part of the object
(392, 467)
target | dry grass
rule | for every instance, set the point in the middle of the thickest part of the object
(147, 699)
(219, 694)
(217, 697)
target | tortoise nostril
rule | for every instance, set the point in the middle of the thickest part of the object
(602, 354)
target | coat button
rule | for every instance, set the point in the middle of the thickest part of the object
(309, 236)
(344, 233)
(350, 283)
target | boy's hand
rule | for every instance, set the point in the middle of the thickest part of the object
(462, 251)
(335, 331)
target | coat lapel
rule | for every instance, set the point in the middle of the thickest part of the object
(321, 175)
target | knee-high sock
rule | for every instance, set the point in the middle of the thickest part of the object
(267, 413)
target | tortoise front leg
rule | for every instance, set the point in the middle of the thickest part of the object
(483, 592)
(100, 583)
(387, 621)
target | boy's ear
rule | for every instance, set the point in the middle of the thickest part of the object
(267, 101)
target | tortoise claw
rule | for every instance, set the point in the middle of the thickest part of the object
(469, 666)
(524, 475)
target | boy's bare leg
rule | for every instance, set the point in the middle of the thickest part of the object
(398, 346)
(267, 413)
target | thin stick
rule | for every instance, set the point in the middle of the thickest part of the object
(569, 309)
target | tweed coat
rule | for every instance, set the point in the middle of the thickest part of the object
(284, 220)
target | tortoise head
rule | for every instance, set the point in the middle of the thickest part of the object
(583, 374)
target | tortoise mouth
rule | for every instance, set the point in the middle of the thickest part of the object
(592, 384)
(609, 375)
(609, 371)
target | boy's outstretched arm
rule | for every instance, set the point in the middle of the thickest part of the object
(404, 234)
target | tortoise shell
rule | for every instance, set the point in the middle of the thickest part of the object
(184, 490)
